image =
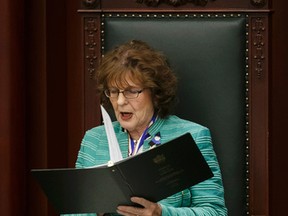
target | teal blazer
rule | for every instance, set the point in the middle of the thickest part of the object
(205, 198)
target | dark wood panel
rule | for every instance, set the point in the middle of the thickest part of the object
(46, 95)
(75, 81)
(36, 104)
(12, 109)
(164, 4)
(258, 115)
(278, 109)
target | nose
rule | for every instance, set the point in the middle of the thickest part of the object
(121, 99)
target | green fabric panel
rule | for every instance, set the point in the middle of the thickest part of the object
(209, 57)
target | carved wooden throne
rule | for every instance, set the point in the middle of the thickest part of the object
(219, 49)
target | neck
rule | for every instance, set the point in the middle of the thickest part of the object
(135, 135)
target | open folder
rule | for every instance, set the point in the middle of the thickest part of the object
(154, 174)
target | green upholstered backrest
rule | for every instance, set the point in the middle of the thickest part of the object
(208, 54)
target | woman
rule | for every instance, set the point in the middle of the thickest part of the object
(137, 82)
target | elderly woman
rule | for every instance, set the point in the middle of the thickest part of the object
(137, 82)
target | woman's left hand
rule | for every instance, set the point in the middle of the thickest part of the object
(149, 208)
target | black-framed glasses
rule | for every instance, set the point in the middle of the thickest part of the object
(128, 93)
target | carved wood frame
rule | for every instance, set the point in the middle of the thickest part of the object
(257, 133)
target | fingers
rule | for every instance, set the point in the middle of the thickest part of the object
(149, 208)
(130, 211)
(143, 202)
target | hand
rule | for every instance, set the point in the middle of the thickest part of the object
(149, 208)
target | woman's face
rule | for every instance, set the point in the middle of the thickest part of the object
(133, 114)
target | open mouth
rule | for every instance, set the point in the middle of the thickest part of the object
(126, 115)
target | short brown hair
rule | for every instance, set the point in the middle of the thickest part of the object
(145, 65)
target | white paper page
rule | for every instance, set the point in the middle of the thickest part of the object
(115, 153)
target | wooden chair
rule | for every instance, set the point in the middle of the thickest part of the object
(219, 51)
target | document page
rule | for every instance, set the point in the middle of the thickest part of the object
(115, 153)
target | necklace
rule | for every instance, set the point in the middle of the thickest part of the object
(136, 145)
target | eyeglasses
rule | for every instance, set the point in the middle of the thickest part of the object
(128, 93)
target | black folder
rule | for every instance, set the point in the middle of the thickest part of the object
(154, 174)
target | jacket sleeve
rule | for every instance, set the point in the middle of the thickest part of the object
(83, 160)
(207, 197)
